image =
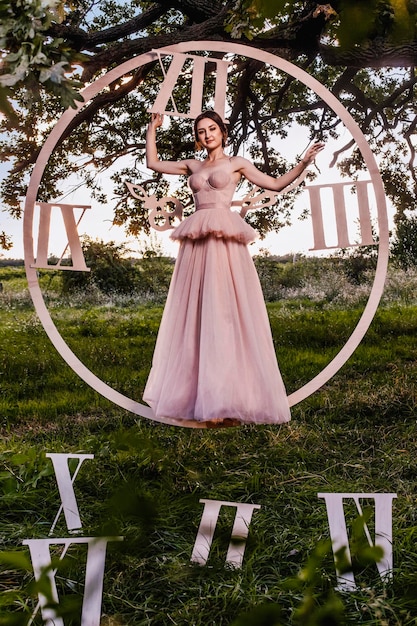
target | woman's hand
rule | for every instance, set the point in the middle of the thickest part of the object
(311, 153)
(152, 158)
(156, 120)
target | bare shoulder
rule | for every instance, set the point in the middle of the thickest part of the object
(192, 165)
(239, 161)
(240, 164)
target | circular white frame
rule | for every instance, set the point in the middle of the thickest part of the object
(213, 46)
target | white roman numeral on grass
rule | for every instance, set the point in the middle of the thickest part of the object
(94, 575)
(66, 488)
(339, 533)
(207, 528)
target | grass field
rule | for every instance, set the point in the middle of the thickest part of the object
(358, 434)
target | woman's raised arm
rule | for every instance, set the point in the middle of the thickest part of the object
(255, 176)
(152, 159)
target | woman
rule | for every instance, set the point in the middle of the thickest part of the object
(214, 360)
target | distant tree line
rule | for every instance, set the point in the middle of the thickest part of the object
(11, 262)
(114, 270)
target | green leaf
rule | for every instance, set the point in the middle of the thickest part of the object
(16, 560)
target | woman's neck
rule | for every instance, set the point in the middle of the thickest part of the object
(215, 155)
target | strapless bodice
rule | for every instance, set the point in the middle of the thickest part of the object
(218, 179)
(213, 189)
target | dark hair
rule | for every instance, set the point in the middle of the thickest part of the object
(212, 115)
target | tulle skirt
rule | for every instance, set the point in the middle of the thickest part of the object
(214, 358)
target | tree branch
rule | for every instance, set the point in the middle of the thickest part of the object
(376, 54)
(105, 99)
(199, 10)
(81, 40)
(124, 50)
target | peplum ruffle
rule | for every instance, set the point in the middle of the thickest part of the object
(215, 222)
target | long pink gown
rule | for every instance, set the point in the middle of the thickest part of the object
(214, 357)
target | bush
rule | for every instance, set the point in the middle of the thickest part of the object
(154, 276)
(270, 273)
(110, 271)
(404, 247)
